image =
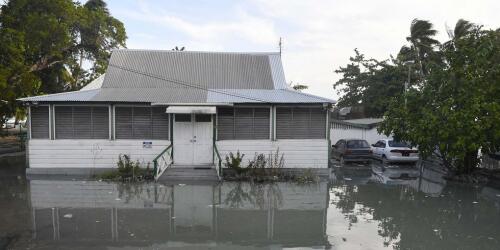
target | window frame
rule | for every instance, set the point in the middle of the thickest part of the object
(53, 119)
(326, 126)
(169, 117)
(49, 121)
(271, 121)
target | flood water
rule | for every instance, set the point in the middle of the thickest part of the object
(357, 209)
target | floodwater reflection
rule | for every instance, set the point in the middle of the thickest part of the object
(358, 209)
(231, 214)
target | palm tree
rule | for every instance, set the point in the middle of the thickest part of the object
(178, 49)
(421, 41)
(462, 29)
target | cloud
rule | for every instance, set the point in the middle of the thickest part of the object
(319, 35)
(243, 26)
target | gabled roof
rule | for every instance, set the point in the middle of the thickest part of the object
(188, 77)
(95, 84)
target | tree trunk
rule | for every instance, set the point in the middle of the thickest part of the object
(469, 162)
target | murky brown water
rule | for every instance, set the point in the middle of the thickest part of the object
(358, 209)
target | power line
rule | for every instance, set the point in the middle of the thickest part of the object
(186, 84)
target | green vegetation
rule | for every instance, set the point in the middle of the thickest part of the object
(264, 169)
(449, 107)
(50, 46)
(128, 171)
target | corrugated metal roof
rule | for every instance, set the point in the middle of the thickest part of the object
(171, 95)
(189, 77)
(262, 95)
(277, 72)
(201, 69)
(95, 84)
(367, 123)
(73, 96)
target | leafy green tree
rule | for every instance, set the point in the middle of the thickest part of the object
(370, 83)
(456, 112)
(46, 45)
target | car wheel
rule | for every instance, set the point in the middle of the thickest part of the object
(342, 161)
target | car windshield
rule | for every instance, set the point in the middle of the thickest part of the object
(398, 144)
(357, 144)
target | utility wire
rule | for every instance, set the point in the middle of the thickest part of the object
(186, 84)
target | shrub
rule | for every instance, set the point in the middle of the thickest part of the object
(234, 162)
(128, 170)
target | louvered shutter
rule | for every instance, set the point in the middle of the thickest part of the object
(100, 123)
(82, 122)
(283, 123)
(300, 123)
(243, 123)
(317, 126)
(225, 124)
(64, 122)
(261, 123)
(40, 122)
(142, 123)
(160, 124)
(123, 123)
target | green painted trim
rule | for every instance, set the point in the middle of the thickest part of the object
(328, 131)
(171, 136)
(155, 160)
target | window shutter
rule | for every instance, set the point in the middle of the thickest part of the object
(40, 122)
(300, 123)
(82, 122)
(142, 123)
(283, 120)
(123, 120)
(317, 126)
(243, 123)
(225, 123)
(64, 122)
(261, 123)
(100, 122)
(160, 124)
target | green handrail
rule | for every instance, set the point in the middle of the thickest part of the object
(155, 160)
(218, 157)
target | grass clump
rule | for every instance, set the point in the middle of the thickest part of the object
(128, 170)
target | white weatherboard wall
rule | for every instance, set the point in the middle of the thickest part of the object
(311, 153)
(90, 153)
(370, 135)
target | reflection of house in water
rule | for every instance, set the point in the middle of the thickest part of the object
(115, 214)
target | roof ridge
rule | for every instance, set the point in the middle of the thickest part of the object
(201, 51)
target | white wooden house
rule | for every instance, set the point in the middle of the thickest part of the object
(194, 107)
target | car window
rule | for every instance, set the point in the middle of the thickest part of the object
(398, 144)
(357, 144)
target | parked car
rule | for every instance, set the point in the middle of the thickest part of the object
(11, 123)
(389, 150)
(352, 150)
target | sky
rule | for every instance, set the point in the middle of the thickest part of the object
(318, 36)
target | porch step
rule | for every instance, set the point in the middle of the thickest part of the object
(189, 173)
